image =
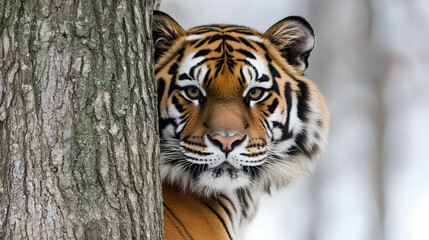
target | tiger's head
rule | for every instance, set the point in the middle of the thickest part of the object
(235, 110)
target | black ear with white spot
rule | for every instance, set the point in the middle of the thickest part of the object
(164, 31)
(294, 38)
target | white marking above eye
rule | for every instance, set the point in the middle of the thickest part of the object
(198, 70)
(193, 37)
(251, 74)
(255, 38)
(189, 62)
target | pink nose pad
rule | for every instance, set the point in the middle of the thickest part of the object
(226, 142)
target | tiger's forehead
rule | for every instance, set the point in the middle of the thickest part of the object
(223, 28)
(222, 58)
(230, 36)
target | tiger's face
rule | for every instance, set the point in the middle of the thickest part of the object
(234, 108)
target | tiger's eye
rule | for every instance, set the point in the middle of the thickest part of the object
(255, 94)
(193, 92)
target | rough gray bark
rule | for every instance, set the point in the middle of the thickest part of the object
(78, 124)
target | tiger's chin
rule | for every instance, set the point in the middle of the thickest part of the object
(223, 179)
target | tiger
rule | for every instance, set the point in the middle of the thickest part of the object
(237, 118)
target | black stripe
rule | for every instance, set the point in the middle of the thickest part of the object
(173, 85)
(226, 210)
(246, 53)
(267, 56)
(207, 80)
(204, 40)
(303, 98)
(202, 53)
(273, 71)
(275, 87)
(175, 226)
(173, 69)
(160, 92)
(180, 53)
(277, 124)
(220, 219)
(229, 47)
(243, 78)
(241, 81)
(205, 27)
(194, 143)
(176, 103)
(205, 31)
(178, 220)
(242, 32)
(230, 202)
(192, 70)
(215, 38)
(218, 67)
(247, 43)
(163, 122)
(196, 151)
(161, 89)
(288, 96)
(231, 65)
(217, 26)
(184, 76)
(219, 48)
(229, 38)
(263, 78)
(254, 155)
(273, 106)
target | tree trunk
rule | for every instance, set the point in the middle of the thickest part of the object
(78, 121)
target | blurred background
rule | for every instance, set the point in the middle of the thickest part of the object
(371, 62)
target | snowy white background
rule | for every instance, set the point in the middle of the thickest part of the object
(371, 62)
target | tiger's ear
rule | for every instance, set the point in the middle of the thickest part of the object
(164, 31)
(294, 38)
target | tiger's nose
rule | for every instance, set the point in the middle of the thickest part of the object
(226, 144)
